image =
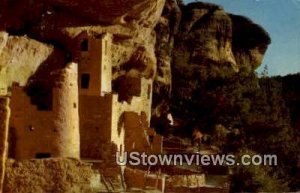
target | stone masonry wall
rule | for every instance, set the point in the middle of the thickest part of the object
(4, 119)
(53, 132)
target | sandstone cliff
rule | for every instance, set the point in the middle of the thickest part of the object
(212, 42)
(58, 22)
(20, 58)
(216, 42)
(166, 29)
(203, 41)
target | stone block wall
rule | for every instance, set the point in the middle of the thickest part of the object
(47, 133)
(4, 121)
(141, 179)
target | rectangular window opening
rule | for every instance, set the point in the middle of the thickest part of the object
(85, 81)
(42, 155)
(84, 45)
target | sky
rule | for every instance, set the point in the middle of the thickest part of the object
(281, 19)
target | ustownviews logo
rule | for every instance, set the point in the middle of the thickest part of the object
(137, 158)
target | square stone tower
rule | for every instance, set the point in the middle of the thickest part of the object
(95, 72)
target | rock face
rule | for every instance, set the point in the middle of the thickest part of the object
(249, 43)
(20, 59)
(120, 11)
(209, 43)
(58, 22)
(208, 38)
(218, 43)
(205, 36)
(213, 42)
(166, 29)
(50, 175)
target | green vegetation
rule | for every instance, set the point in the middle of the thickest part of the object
(256, 178)
(265, 111)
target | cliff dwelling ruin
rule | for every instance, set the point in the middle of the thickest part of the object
(72, 111)
(82, 80)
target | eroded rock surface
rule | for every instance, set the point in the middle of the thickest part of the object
(221, 44)
(209, 43)
(49, 175)
(20, 58)
(58, 22)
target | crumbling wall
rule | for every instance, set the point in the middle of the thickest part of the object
(117, 129)
(4, 120)
(157, 141)
(141, 103)
(33, 130)
(141, 179)
(50, 175)
(136, 138)
(204, 189)
(47, 133)
(191, 181)
(101, 115)
(137, 104)
(101, 119)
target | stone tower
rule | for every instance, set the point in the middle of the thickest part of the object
(66, 116)
(95, 73)
(47, 132)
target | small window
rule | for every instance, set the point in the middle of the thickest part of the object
(42, 155)
(151, 138)
(85, 81)
(74, 105)
(31, 128)
(121, 149)
(84, 45)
